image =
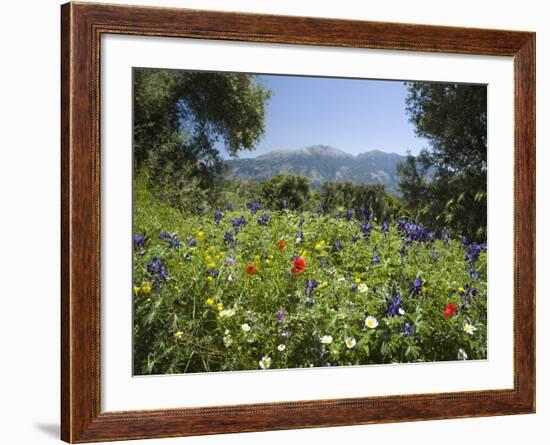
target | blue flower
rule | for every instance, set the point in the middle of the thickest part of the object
(165, 235)
(394, 303)
(355, 239)
(416, 287)
(474, 274)
(280, 315)
(311, 285)
(174, 242)
(191, 242)
(254, 207)
(238, 222)
(366, 229)
(228, 237)
(375, 258)
(407, 329)
(139, 241)
(264, 219)
(300, 236)
(338, 245)
(349, 214)
(218, 216)
(230, 207)
(385, 226)
(472, 253)
(285, 203)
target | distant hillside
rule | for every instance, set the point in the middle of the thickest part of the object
(321, 163)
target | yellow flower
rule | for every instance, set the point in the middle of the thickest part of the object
(222, 254)
(461, 289)
(304, 253)
(267, 262)
(211, 265)
(210, 301)
(199, 234)
(180, 263)
(209, 277)
(192, 249)
(208, 258)
(146, 288)
(136, 289)
(178, 334)
(271, 257)
(218, 256)
(257, 257)
(210, 248)
(424, 289)
(318, 246)
(357, 280)
(322, 284)
(220, 307)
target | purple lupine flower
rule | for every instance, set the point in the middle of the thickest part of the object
(349, 214)
(311, 285)
(323, 262)
(394, 303)
(416, 287)
(174, 242)
(338, 246)
(280, 315)
(139, 241)
(366, 229)
(474, 274)
(228, 237)
(472, 253)
(230, 261)
(230, 207)
(362, 211)
(254, 207)
(191, 242)
(165, 235)
(300, 236)
(385, 226)
(218, 215)
(264, 219)
(355, 239)
(284, 203)
(407, 329)
(375, 258)
(238, 222)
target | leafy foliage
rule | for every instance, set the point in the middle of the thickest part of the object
(453, 117)
(221, 292)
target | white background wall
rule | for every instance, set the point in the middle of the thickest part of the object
(29, 218)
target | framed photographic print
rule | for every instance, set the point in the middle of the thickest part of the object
(274, 222)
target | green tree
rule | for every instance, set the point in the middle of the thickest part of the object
(183, 118)
(446, 185)
(285, 190)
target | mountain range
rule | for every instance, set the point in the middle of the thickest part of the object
(321, 163)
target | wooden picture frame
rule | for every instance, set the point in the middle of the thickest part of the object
(82, 26)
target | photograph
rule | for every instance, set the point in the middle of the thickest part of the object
(286, 221)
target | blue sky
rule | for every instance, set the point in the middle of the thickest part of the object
(355, 115)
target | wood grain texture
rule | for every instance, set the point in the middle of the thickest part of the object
(82, 26)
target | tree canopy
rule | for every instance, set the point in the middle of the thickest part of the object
(183, 118)
(446, 184)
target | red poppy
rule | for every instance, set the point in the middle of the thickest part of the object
(251, 269)
(298, 265)
(281, 244)
(450, 310)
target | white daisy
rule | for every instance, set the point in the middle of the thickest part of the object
(227, 313)
(326, 339)
(281, 347)
(245, 327)
(350, 342)
(363, 288)
(462, 354)
(371, 322)
(469, 329)
(265, 362)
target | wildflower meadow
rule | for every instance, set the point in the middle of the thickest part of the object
(245, 288)
(312, 256)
